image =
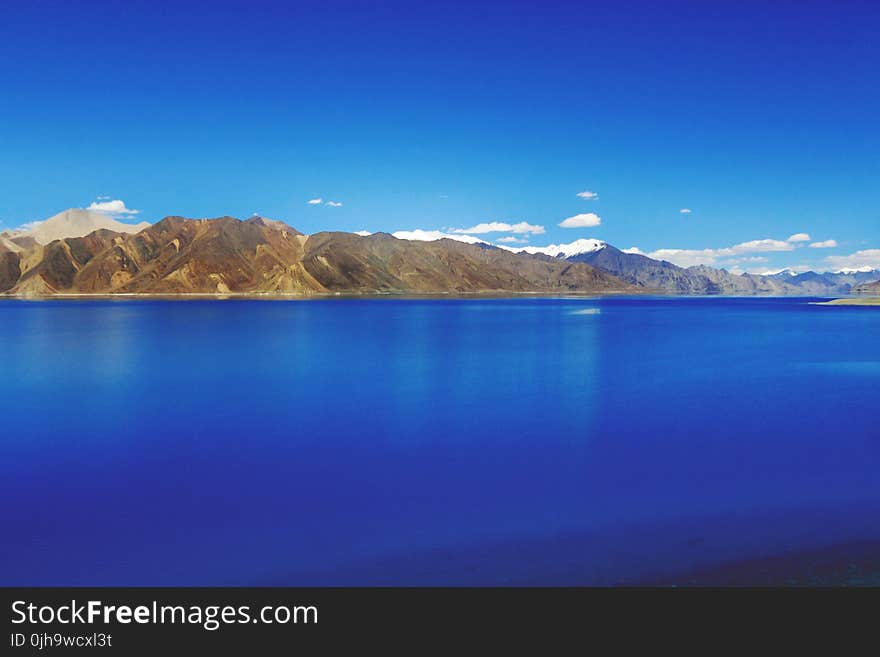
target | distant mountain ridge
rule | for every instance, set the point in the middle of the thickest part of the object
(645, 272)
(228, 256)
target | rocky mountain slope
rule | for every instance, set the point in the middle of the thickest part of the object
(225, 255)
(867, 288)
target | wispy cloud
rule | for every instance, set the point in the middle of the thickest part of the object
(799, 237)
(794, 269)
(420, 235)
(691, 257)
(827, 244)
(320, 201)
(745, 259)
(512, 240)
(114, 208)
(685, 257)
(501, 227)
(860, 260)
(588, 195)
(685, 211)
(587, 220)
(757, 246)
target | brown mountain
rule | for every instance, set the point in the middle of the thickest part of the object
(10, 266)
(380, 262)
(259, 255)
(17, 255)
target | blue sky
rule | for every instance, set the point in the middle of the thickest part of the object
(761, 118)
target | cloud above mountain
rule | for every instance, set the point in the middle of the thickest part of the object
(588, 195)
(865, 260)
(501, 227)
(115, 208)
(691, 257)
(585, 220)
(420, 235)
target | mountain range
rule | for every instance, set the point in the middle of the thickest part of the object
(645, 272)
(259, 255)
(85, 252)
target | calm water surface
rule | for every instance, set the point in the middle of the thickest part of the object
(524, 441)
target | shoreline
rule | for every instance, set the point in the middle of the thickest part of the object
(296, 296)
(851, 301)
(487, 294)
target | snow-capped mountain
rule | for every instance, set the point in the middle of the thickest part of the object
(569, 250)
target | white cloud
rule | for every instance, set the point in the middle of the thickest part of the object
(634, 250)
(757, 246)
(512, 240)
(691, 257)
(793, 271)
(501, 227)
(858, 261)
(315, 201)
(685, 257)
(420, 235)
(685, 211)
(799, 237)
(587, 220)
(362, 233)
(334, 204)
(115, 208)
(827, 244)
(590, 196)
(744, 259)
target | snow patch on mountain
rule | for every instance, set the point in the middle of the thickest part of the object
(577, 247)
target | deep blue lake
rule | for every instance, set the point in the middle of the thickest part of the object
(395, 441)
